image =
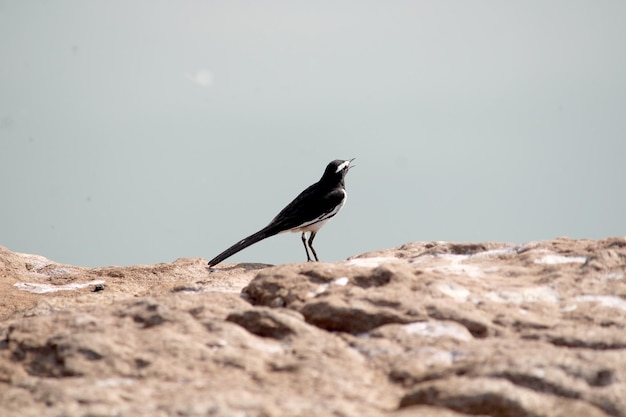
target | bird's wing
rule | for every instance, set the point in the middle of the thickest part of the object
(307, 207)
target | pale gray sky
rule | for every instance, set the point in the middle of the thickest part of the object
(140, 132)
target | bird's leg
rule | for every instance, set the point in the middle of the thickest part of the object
(311, 237)
(308, 258)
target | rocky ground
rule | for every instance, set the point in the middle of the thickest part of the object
(432, 329)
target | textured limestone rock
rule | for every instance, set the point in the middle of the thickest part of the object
(437, 329)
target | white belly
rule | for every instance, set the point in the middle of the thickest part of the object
(316, 224)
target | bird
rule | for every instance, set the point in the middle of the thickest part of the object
(308, 212)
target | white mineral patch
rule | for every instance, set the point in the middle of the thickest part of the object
(437, 329)
(341, 281)
(371, 262)
(319, 290)
(524, 295)
(114, 382)
(46, 288)
(269, 346)
(450, 257)
(611, 276)
(437, 356)
(609, 301)
(560, 259)
(452, 264)
(510, 250)
(322, 288)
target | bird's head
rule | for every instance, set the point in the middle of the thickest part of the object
(337, 170)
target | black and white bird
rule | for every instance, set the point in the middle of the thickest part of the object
(308, 212)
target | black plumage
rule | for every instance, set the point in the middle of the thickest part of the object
(308, 212)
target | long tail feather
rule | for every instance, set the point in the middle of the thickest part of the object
(242, 244)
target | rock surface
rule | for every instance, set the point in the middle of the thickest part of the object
(433, 329)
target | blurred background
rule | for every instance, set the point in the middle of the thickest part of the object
(144, 131)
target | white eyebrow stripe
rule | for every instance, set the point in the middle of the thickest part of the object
(342, 166)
